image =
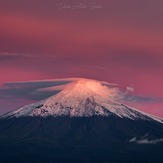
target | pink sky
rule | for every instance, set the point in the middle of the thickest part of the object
(119, 43)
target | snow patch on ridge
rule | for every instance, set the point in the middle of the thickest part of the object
(145, 141)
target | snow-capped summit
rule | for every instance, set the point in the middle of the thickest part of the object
(81, 98)
(85, 116)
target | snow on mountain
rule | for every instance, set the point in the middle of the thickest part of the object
(145, 140)
(82, 98)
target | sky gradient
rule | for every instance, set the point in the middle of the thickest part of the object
(118, 41)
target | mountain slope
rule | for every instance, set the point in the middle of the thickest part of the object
(79, 139)
(82, 98)
(83, 123)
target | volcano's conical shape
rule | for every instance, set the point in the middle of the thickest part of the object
(83, 98)
(85, 122)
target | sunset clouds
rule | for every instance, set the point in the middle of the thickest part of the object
(120, 42)
(31, 91)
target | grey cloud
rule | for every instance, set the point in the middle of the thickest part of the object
(4, 56)
(128, 96)
(142, 99)
(33, 90)
(29, 90)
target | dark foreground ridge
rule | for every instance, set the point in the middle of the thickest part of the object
(64, 139)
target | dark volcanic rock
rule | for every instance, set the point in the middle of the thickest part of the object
(65, 139)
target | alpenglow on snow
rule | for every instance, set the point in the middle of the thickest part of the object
(82, 98)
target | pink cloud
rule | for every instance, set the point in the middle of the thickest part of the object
(60, 37)
(117, 44)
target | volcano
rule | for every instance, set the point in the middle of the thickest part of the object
(83, 122)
